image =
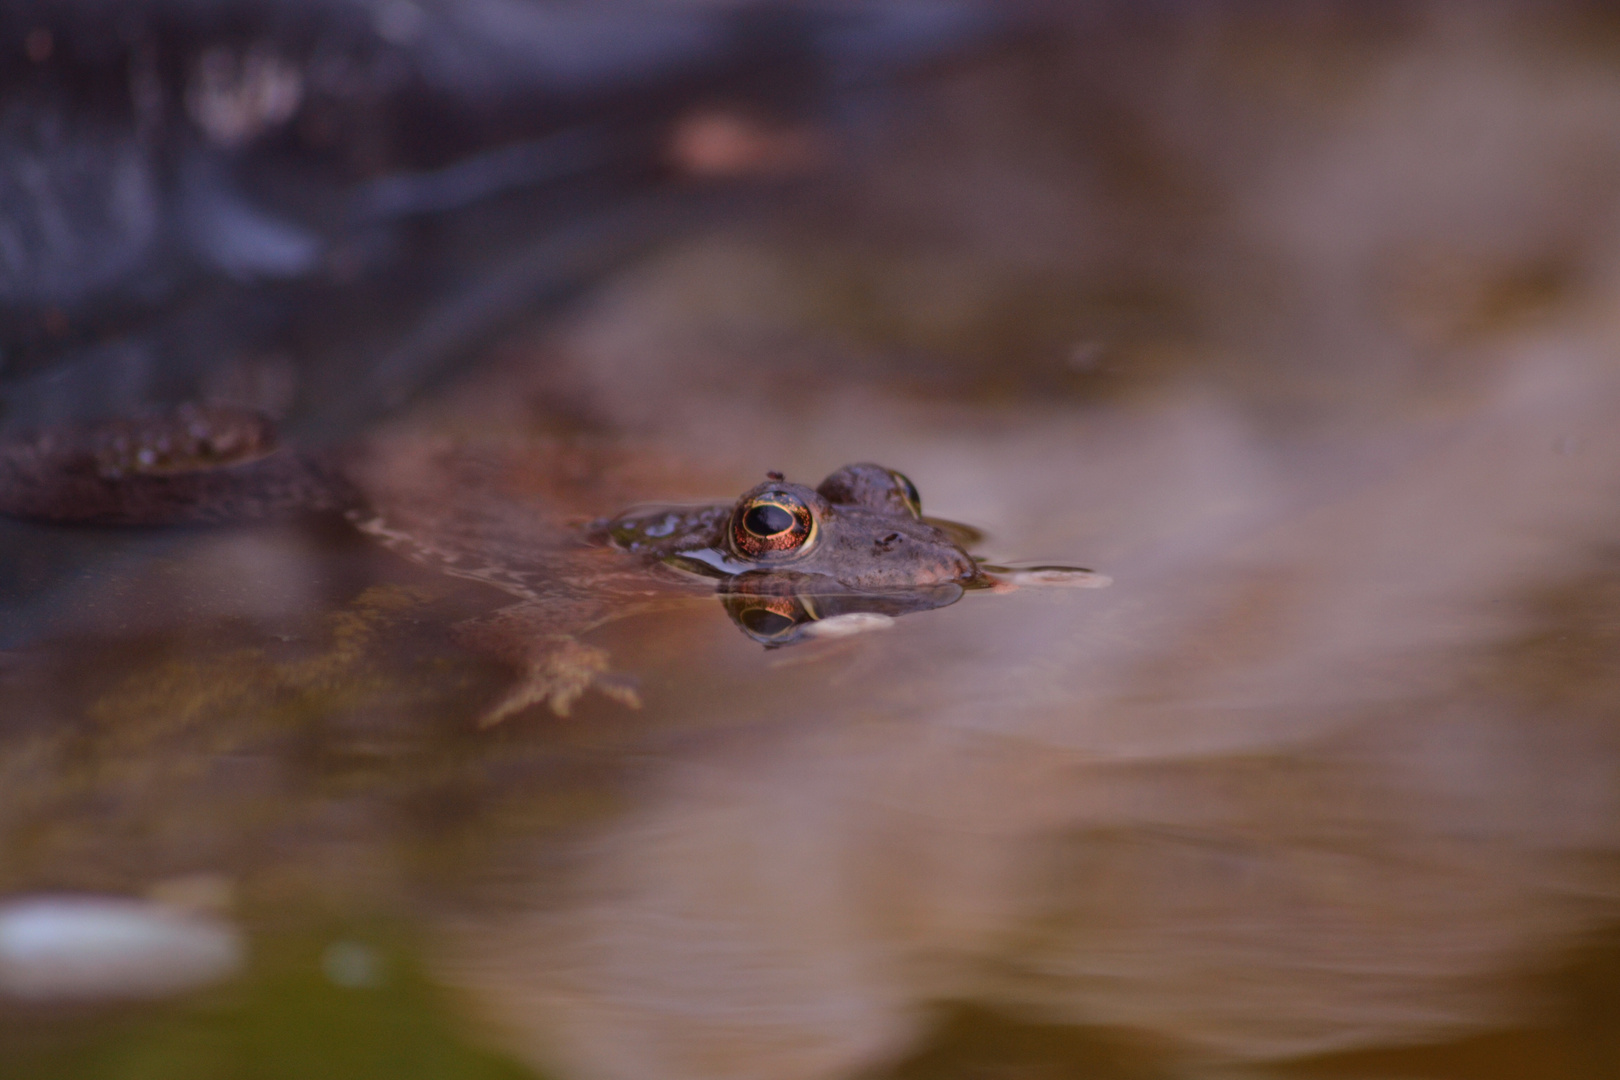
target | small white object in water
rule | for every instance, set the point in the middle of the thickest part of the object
(856, 622)
(95, 948)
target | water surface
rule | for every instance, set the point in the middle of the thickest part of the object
(1326, 783)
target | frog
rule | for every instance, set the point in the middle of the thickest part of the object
(861, 528)
(793, 562)
(790, 562)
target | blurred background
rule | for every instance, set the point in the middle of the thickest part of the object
(1301, 322)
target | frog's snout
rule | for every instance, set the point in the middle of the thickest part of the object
(919, 558)
(959, 567)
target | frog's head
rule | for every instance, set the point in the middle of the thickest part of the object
(862, 527)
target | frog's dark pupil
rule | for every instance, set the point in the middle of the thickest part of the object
(767, 519)
(765, 622)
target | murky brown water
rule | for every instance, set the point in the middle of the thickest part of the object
(1302, 330)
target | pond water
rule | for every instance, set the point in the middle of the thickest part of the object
(1302, 332)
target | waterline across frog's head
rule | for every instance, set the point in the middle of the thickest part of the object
(862, 528)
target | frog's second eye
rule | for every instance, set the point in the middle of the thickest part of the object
(773, 525)
(908, 492)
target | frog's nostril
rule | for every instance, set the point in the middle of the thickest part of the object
(891, 538)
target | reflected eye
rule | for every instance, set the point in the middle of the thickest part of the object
(773, 618)
(762, 622)
(773, 525)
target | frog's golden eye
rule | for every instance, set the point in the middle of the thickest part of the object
(772, 525)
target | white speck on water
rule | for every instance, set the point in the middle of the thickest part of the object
(88, 948)
(856, 622)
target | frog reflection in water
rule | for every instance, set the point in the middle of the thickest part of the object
(790, 562)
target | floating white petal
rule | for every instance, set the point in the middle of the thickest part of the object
(88, 948)
(855, 622)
